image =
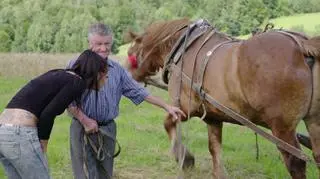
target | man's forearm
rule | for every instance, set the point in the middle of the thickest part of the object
(77, 113)
(156, 101)
(172, 110)
(89, 124)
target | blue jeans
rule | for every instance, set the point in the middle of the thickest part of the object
(21, 153)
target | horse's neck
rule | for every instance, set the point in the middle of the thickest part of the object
(167, 47)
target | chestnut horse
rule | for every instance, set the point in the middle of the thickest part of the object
(272, 79)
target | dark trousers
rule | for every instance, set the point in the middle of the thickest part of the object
(95, 169)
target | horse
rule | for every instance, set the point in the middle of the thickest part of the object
(272, 79)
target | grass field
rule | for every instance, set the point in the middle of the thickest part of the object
(309, 23)
(145, 147)
(305, 23)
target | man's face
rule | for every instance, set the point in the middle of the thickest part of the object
(100, 44)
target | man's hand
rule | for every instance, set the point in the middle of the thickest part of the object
(89, 125)
(175, 112)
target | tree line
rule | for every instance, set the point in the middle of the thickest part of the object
(61, 25)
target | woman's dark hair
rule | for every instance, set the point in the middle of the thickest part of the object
(88, 66)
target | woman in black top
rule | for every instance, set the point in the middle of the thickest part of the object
(26, 122)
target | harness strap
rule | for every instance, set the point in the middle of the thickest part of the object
(98, 149)
(244, 121)
(193, 32)
(178, 55)
(287, 33)
(176, 102)
(100, 153)
(213, 31)
(204, 64)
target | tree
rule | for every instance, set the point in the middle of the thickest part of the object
(272, 8)
(61, 25)
(23, 18)
(72, 36)
(228, 23)
(300, 6)
(40, 37)
(5, 41)
(250, 14)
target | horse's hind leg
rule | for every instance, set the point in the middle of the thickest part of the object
(215, 137)
(295, 166)
(313, 127)
(171, 128)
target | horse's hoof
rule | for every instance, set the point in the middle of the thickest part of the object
(304, 140)
(188, 162)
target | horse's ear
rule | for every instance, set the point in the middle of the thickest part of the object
(138, 39)
(129, 36)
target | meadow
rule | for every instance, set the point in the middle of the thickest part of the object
(305, 23)
(145, 147)
(308, 23)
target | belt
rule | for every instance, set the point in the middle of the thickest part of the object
(104, 123)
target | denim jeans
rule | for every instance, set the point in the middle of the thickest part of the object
(21, 153)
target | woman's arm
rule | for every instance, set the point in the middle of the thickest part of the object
(56, 107)
(90, 125)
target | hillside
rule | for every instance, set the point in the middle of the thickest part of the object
(306, 23)
(309, 23)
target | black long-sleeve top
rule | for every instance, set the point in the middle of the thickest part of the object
(48, 96)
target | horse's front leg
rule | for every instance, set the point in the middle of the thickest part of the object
(177, 147)
(215, 138)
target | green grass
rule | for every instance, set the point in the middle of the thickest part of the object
(306, 23)
(309, 22)
(123, 50)
(146, 149)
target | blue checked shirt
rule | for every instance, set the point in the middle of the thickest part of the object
(118, 83)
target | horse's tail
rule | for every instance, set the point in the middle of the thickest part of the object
(311, 47)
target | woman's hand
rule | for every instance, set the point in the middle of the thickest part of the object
(44, 144)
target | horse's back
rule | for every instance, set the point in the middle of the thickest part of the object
(264, 76)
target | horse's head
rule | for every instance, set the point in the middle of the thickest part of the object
(152, 46)
(148, 58)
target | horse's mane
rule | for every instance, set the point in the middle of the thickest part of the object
(157, 35)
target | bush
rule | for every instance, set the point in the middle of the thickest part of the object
(5, 41)
(40, 37)
(72, 35)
